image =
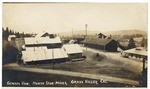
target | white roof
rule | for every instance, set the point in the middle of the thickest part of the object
(42, 40)
(35, 48)
(138, 39)
(12, 36)
(41, 34)
(138, 51)
(46, 54)
(72, 48)
(72, 41)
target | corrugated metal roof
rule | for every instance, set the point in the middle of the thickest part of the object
(41, 40)
(35, 48)
(72, 48)
(140, 51)
(39, 55)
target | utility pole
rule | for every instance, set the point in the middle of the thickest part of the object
(143, 63)
(72, 32)
(53, 57)
(86, 35)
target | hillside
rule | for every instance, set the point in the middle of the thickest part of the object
(78, 32)
(125, 32)
(120, 32)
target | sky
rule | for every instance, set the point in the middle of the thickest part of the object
(63, 17)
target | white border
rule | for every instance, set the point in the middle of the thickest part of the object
(95, 1)
(108, 1)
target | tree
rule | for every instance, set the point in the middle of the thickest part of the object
(110, 36)
(4, 33)
(131, 43)
(143, 43)
(7, 32)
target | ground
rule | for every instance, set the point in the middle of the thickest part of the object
(107, 63)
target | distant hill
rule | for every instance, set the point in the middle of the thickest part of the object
(125, 32)
(78, 32)
(120, 32)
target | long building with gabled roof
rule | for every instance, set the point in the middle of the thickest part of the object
(100, 43)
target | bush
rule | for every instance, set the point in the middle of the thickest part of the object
(99, 57)
(9, 53)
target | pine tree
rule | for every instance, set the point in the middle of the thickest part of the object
(131, 43)
(143, 44)
(7, 32)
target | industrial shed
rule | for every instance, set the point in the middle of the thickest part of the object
(42, 50)
(44, 56)
(73, 50)
(139, 52)
(100, 43)
(43, 41)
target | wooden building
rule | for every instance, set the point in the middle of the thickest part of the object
(139, 53)
(11, 38)
(100, 43)
(42, 50)
(74, 51)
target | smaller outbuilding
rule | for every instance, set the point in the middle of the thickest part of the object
(74, 51)
(11, 38)
(139, 52)
(122, 46)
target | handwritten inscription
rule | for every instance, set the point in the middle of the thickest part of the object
(52, 83)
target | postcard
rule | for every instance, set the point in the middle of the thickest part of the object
(74, 44)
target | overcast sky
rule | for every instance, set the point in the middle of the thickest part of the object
(62, 17)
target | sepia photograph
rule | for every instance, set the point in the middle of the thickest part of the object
(74, 44)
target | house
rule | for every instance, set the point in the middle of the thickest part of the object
(138, 52)
(138, 41)
(45, 34)
(42, 34)
(122, 46)
(100, 43)
(100, 35)
(11, 38)
(74, 51)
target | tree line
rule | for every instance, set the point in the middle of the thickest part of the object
(6, 32)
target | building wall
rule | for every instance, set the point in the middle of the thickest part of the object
(19, 42)
(112, 46)
(74, 56)
(96, 46)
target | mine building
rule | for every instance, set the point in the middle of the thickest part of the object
(101, 42)
(73, 51)
(11, 38)
(138, 53)
(48, 48)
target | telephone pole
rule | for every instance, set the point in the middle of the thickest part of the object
(72, 32)
(86, 25)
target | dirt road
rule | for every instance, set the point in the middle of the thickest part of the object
(129, 64)
(14, 66)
